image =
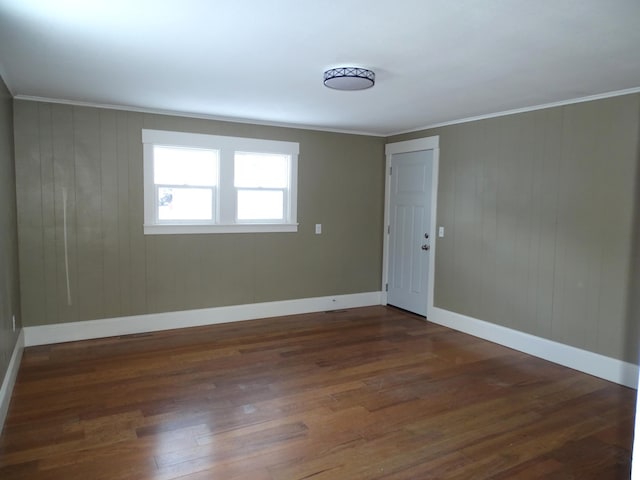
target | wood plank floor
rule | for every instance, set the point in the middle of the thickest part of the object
(369, 393)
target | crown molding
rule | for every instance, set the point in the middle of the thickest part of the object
(154, 111)
(201, 116)
(590, 98)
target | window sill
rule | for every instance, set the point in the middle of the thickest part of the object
(235, 228)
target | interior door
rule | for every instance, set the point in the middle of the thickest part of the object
(409, 235)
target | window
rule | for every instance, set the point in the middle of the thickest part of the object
(261, 182)
(185, 181)
(195, 183)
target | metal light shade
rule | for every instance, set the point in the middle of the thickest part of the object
(349, 78)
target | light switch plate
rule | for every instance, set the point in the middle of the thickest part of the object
(440, 232)
(318, 228)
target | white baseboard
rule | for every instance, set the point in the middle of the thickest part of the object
(595, 364)
(588, 362)
(10, 378)
(110, 327)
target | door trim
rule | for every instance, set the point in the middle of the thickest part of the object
(419, 144)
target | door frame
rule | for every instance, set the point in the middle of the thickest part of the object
(417, 145)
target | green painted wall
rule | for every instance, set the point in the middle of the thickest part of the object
(538, 210)
(95, 155)
(633, 295)
(9, 286)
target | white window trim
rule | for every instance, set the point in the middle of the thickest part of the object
(226, 145)
(218, 228)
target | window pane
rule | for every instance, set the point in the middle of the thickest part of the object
(185, 203)
(185, 166)
(260, 205)
(261, 170)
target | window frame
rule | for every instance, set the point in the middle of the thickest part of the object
(225, 195)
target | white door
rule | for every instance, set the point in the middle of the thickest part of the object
(409, 235)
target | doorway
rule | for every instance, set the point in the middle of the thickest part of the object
(410, 207)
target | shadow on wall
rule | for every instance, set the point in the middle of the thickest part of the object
(632, 339)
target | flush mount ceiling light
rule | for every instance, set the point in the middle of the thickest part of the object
(349, 78)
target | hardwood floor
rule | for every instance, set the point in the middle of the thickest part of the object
(370, 393)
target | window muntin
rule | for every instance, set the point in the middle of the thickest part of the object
(197, 183)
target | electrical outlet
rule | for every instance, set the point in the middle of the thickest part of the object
(318, 228)
(441, 232)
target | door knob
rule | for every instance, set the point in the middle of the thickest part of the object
(425, 247)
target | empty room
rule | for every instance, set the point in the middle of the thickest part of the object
(287, 240)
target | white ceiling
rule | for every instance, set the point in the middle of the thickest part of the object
(435, 61)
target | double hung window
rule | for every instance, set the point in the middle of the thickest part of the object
(196, 183)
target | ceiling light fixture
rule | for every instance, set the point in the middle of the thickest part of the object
(349, 78)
